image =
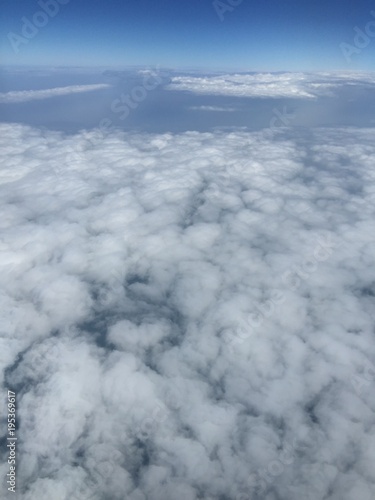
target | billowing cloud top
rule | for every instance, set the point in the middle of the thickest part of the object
(189, 316)
(32, 95)
(291, 85)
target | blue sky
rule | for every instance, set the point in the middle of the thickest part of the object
(266, 35)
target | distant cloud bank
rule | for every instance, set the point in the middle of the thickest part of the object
(288, 85)
(32, 95)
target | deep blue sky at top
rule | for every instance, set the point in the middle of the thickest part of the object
(254, 35)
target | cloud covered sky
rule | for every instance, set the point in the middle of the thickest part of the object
(187, 272)
(190, 315)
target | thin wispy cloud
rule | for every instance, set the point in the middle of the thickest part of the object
(218, 109)
(33, 95)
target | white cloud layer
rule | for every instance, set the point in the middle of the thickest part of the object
(213, 108)
(189, 316)
(32, 95)
(288, 85)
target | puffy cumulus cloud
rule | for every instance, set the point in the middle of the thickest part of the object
(190, 316)
(32, 95)
(289, 85)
